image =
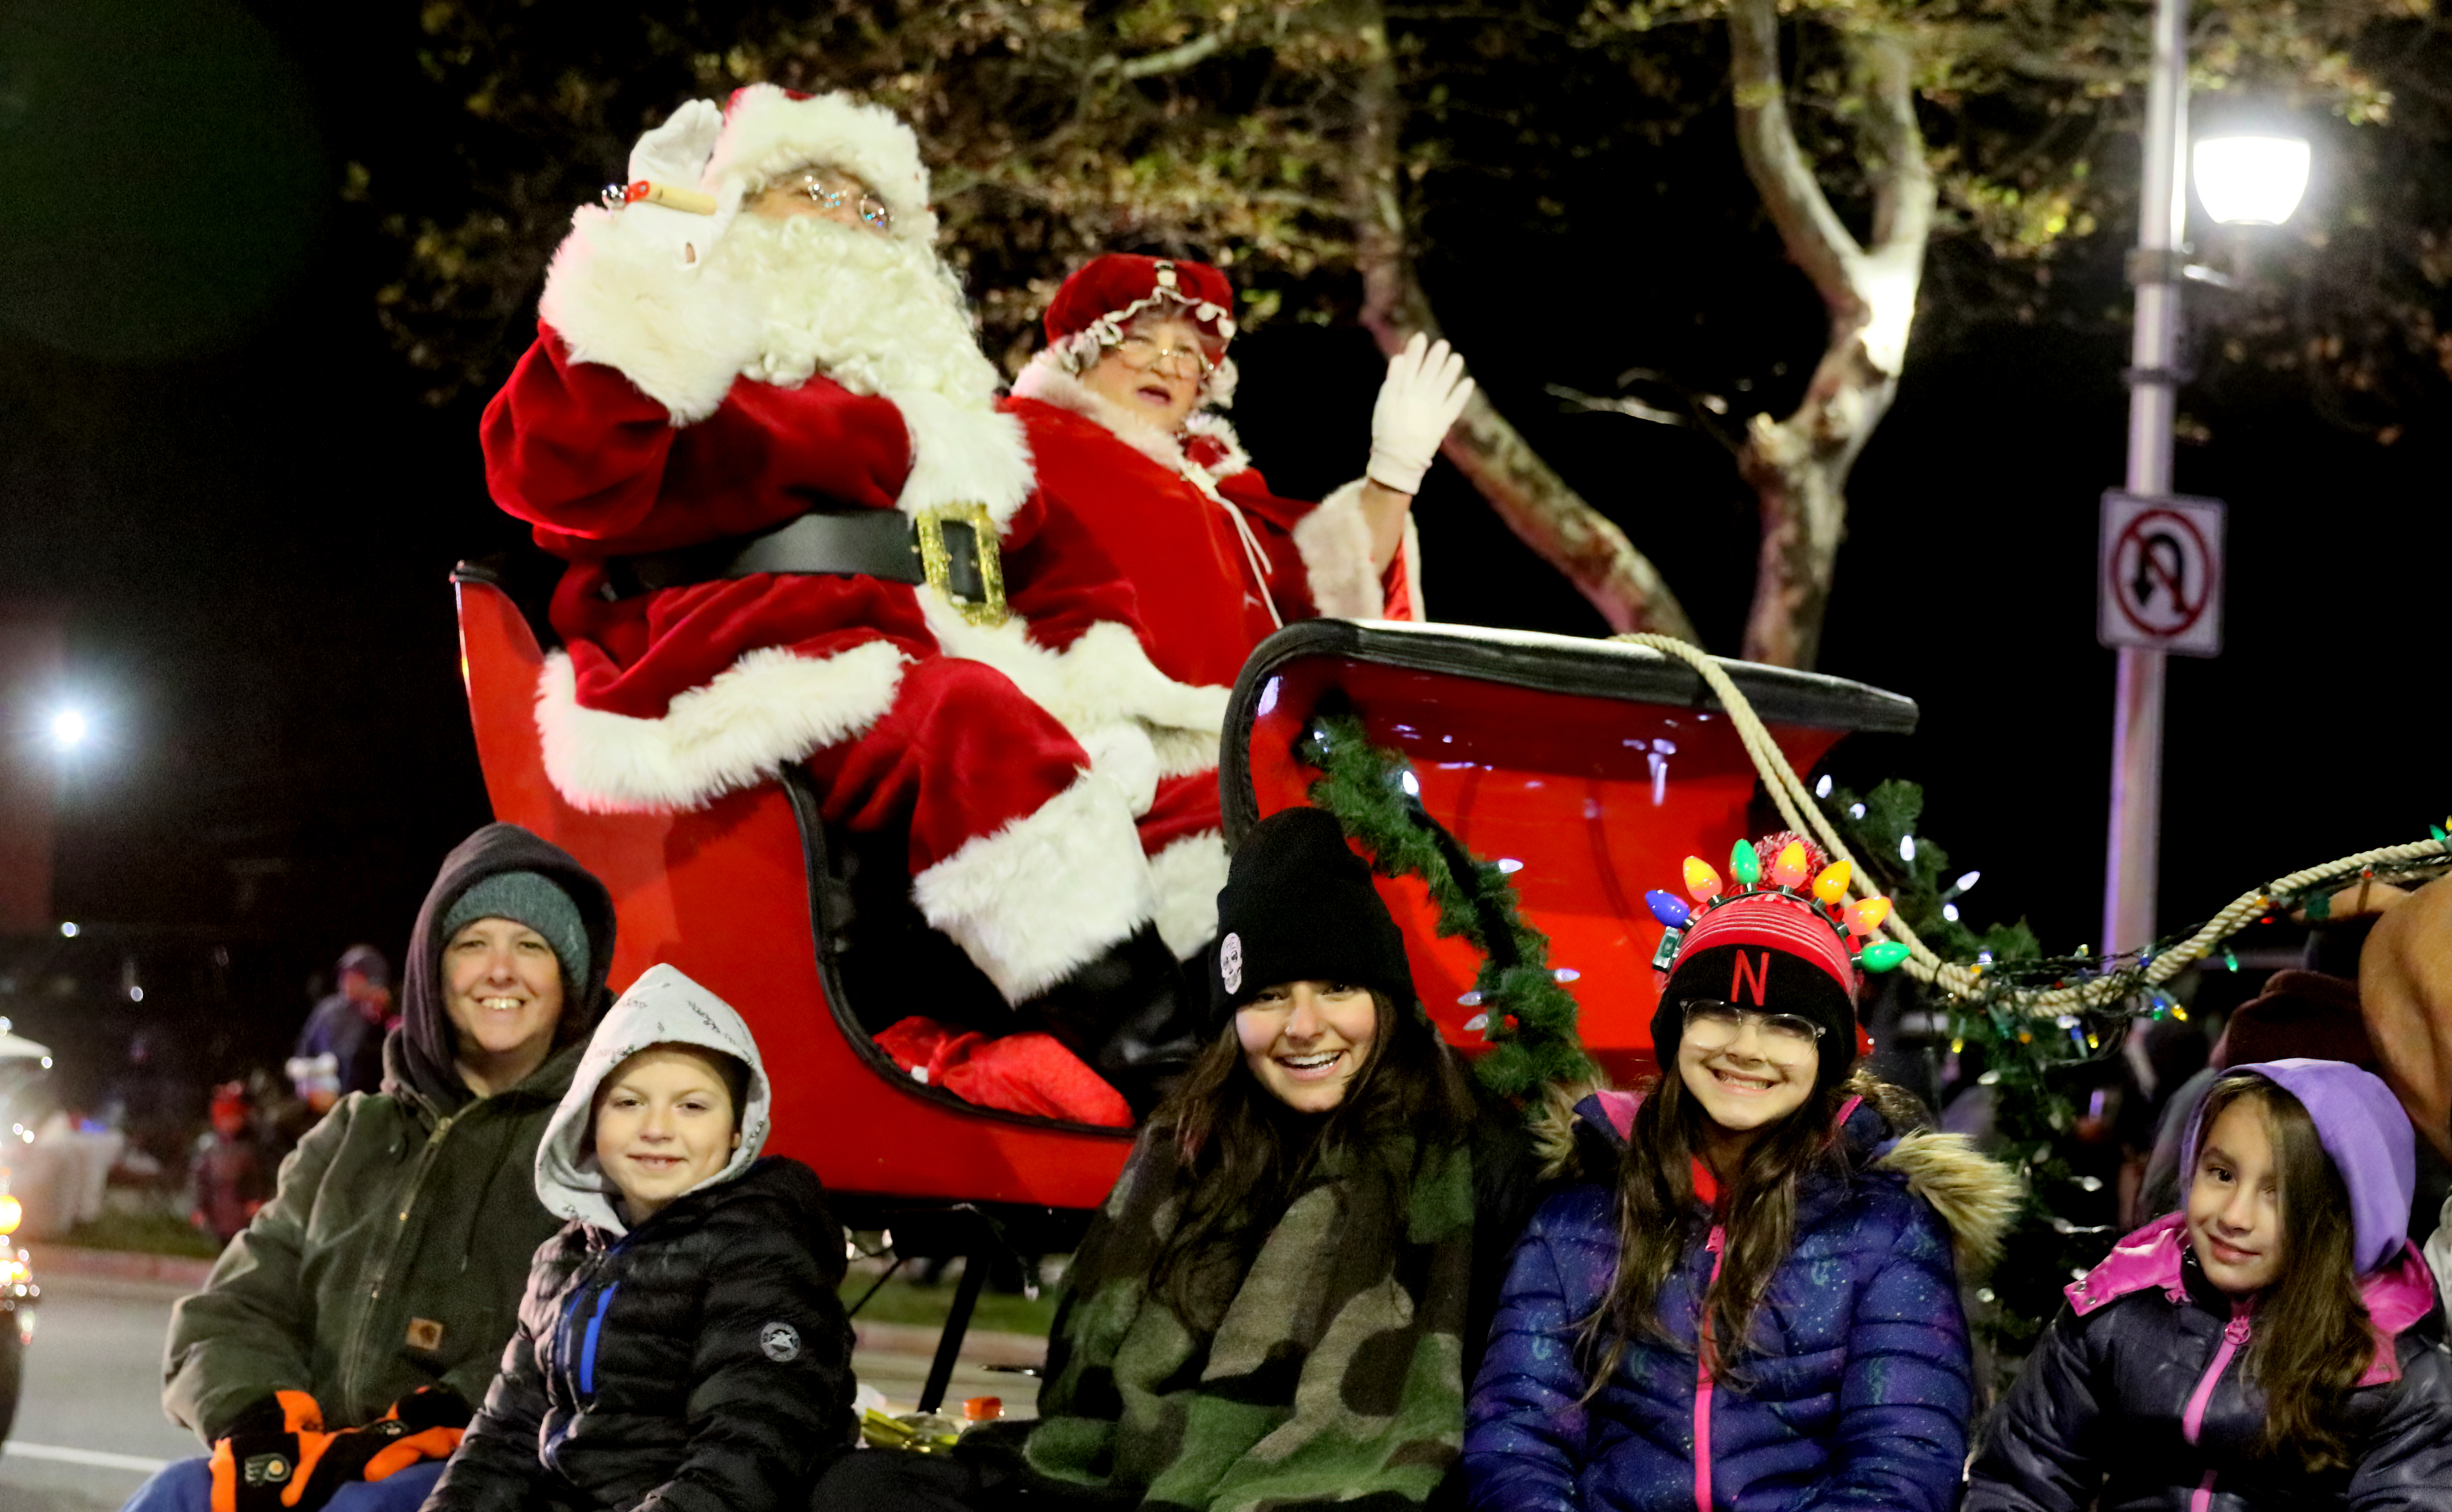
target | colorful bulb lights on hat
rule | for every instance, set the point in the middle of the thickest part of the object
(1744, 865)
(1701, 881)
(1865, 914)
(1788, 867)
(1665, 908)
(1883, 955)
(1832, 884)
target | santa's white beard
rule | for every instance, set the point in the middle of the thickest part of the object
(877, 314)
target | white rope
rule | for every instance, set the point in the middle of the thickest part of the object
(1802, 814)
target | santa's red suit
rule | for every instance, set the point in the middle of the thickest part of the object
(1218, 562)
(650, 415)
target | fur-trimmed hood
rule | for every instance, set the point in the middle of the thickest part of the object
(1976, 1196)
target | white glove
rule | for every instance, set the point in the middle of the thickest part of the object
(1122, 755)
(677, 153)
(1425, 391)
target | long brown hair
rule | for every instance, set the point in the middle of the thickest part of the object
(1657, 1218)
(1242, 1154)
(2311, 1340)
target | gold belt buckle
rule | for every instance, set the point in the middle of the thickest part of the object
(937, 564)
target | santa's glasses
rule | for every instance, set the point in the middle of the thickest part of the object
(833, 193)
(1784, 1039)
(1144, 354)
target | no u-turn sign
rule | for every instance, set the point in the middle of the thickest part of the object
(2159, 580)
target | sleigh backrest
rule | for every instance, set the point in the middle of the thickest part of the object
(1593, 767)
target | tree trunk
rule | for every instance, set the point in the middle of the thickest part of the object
(1537, 504)
(1799, 466)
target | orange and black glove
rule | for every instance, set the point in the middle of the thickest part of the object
(296, 1467)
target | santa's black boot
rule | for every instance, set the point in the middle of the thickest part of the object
(1130, 1014)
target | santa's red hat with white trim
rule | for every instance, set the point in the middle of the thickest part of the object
(769, 131)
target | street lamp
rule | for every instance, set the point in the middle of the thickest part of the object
(2251, 180)
(2245, 179)
(69, 728)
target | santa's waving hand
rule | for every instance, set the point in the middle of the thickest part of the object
(1123, 409)
(768, 445)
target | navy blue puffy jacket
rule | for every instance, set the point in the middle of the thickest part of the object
(1857, 1393)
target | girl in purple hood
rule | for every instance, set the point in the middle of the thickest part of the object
(2277, 1343)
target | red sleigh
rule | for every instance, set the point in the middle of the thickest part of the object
(1592, 767)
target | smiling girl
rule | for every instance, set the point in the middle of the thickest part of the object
(1280, 1302)
(2276, 1343)
(1753, 1303)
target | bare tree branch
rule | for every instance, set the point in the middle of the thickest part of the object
(1526, 492)
(1808, 228)
(1174, 60)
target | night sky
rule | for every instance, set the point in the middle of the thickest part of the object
(210, 457)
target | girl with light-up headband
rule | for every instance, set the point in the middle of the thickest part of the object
(1755, 1304)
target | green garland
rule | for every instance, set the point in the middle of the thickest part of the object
(1530, 1020)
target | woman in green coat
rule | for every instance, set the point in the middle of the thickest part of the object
(331, 1356)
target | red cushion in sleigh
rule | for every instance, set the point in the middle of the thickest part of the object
(1596, 766)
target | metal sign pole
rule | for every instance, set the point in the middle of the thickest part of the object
(2153, 393)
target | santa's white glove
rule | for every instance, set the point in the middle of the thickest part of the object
(1122, 755)
(676, 154)
(1425, 391)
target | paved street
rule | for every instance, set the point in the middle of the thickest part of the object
(90, 1427)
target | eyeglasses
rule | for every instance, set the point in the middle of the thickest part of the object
(834, 194)
(1142, 354)
(1784, 1038)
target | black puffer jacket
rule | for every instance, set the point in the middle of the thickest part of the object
(2107, 1406)
(700, 1363)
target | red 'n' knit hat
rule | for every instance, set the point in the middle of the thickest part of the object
(1774, 936)
(1104, 294)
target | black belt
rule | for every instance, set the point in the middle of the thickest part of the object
(868, 542)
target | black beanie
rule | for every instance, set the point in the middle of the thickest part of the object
(1788, 984)
(1298, 907)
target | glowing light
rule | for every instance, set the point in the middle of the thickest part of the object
(136, 995)
(1822, 789)
(1568, 973)
(69, 728)
(1406, 781)
(2251, 180)
(1906, 847)
(67, 929)
(1744, 865)
(1864, 915)
(1949, 912)
(1883, 955)
(1789, 868)
(12, 1213)
(1509, 865)
(1668, 909)
(1966, 881)
(1701, 881)
(1832, 884)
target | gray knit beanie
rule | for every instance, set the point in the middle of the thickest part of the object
(536, 900)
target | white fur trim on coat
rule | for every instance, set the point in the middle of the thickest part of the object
(618, 296)
(1335, 540)
(1104, 678)
(767, 709)
(1189, 875)
(1046, 894)
(766, 133)
(963, 455)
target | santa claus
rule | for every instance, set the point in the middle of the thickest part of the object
(758, 425)
(1123, 408)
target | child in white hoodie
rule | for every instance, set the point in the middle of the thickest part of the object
(682, 1344)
